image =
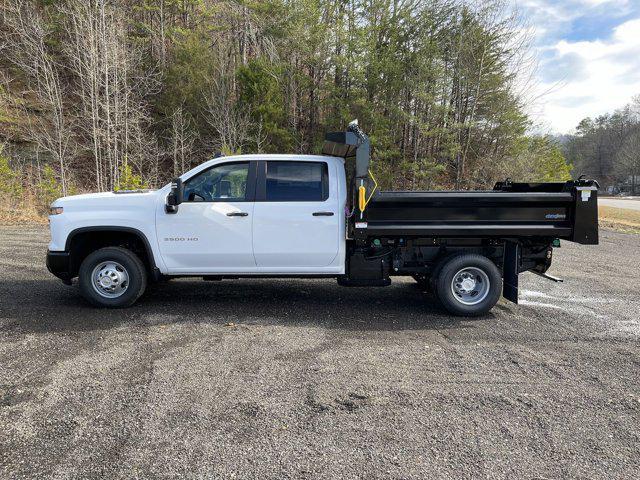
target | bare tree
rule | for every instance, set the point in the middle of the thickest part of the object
(227, 119)
(111, 85)
(182, 140)
(27, 39)
(628, 161)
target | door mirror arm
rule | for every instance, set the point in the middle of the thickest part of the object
(174, 199)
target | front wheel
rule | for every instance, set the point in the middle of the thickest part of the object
(469, 285)
(112, 277)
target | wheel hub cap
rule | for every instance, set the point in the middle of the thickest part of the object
(470, 286)
(110, 279)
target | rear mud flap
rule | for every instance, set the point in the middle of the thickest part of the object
(510, 267)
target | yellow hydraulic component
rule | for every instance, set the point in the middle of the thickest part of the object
(363, 200)
(362, 194)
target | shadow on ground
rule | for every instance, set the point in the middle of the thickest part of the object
(46, 305)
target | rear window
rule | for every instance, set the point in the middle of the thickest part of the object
(297, 182)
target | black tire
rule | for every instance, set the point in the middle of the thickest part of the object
(133, 266)
(435, 272)
(471, 265)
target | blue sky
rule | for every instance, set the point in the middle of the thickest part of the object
(588, 55)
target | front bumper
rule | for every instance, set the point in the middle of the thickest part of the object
(59, 263)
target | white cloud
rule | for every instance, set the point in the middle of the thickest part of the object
(589, 58)
(595, 76)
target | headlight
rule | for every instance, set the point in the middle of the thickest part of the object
(56, 210)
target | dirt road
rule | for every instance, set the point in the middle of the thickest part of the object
(304, 379)
(631, 203)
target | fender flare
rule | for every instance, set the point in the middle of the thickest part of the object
(155, 271)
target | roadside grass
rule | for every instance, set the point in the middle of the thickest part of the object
(27, 211)
(21, 216)
(620, 219)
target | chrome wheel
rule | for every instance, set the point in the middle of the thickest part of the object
(470, 286)
(110, 279)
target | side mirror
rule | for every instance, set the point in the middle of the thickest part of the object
(175, 196)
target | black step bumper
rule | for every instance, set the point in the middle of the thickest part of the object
(59, 264)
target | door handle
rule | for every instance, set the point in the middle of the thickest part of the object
(323, 214)
(237, 214)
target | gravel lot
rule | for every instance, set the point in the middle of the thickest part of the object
(304, 379)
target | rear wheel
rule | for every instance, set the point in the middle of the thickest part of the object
(435, 272)
(469, 285)
(112, 277)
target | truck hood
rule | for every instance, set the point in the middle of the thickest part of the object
(106, 200)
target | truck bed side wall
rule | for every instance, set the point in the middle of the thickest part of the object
(562, 210)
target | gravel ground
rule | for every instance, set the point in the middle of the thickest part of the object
(304, 379)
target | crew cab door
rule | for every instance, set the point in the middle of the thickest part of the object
(212, 230)
(296, 216)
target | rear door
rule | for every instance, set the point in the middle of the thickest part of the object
(296, 215)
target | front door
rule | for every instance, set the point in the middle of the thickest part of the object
(212, 229)
(296, 216)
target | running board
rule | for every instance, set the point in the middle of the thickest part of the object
(548, 277)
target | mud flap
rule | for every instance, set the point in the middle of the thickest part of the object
(510, 267)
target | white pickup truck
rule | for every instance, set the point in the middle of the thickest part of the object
(299, 216)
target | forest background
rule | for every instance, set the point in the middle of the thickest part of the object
(100, 95)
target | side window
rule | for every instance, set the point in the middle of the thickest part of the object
(297, 182)
(226, 182)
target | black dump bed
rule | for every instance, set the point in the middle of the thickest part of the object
(566, 210)
(558, 210)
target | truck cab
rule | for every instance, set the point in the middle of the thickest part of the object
(301, 216)
(256, 214)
